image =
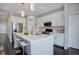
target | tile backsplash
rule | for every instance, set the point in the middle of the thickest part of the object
(59, 29)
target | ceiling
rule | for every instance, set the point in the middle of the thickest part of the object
(40, 8)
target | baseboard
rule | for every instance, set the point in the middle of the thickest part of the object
(58, 46)
(73, 48)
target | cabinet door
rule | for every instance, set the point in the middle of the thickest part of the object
(55, 39)
(62, 39)
(59, 39)
(55, 18)
(62, 16)
(42, 47)
(51, 18)
(61, 19)
(41, 21)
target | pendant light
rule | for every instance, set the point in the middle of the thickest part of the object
(22, 12)
(32, 6)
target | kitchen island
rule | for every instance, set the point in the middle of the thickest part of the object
(37, 44)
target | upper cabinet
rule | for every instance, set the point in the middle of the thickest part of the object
(57, 19)
(61, 19)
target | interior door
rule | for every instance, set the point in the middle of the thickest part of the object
(74, 31)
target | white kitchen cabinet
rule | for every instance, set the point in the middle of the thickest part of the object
(51, 18)
(55, 39)
(59, 39)
(42, 47)
(37, 44)
(57, 19)
(74, 31)
(61, 19)
(42, 20)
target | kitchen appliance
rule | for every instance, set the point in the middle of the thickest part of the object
(19, 27)
(47, 24)
(47, 31)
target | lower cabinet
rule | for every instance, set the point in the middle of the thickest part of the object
(59, 39)
(42, 47)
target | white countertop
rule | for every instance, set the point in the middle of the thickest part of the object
(32, 38)
(37, 44)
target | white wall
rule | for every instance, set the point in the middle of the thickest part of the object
(69, 10)
(74, 31)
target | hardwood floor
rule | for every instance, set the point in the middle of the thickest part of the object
(58, 50)
(73, 51)
(6, 48)
(62, 51)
